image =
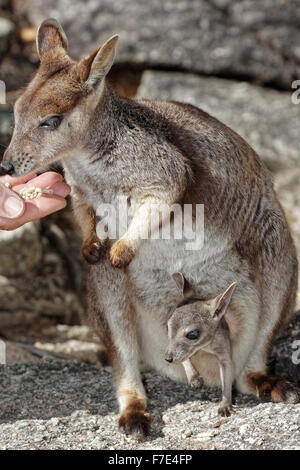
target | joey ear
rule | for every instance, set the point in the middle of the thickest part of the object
(98, 64)
(181, 282)
(51, 39)
(222, 301)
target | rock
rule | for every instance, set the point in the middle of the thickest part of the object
(85, 351)
(243, 429)
(23, 246)
(6, 120)
(16, 354)
(266, 118)
(251, 39)
(287, 187)
(7, 29)
(76, 342)
(207, 435)
(67, 332)
(285, 355)
(57, 404)
(41, 281)
(10, 68)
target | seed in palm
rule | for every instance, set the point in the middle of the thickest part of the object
(31, 193)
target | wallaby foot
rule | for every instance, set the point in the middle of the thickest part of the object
(277, 389)
(91, 250)
(121, 254)
(196, 382)
(224, 410)
(135, 423)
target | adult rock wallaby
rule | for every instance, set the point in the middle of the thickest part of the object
(200, 325)
(154, 152)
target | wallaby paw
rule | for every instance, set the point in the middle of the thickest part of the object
(196, 382)
(121, 254)
(91, 250)
(278, 389)
(135, 423)
(224, 410)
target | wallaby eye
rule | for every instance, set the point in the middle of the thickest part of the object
(193, 334)
(51, 123)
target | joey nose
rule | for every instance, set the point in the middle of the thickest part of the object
(169, 358)
(6, 168)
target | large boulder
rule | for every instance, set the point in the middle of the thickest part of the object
(250, 39)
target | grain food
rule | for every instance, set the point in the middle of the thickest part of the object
(31, 193)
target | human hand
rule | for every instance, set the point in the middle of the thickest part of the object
(14, 211)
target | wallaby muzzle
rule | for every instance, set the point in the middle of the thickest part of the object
(6, 168)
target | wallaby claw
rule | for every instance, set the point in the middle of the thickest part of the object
(91, 251)
(135, 424)
(224, 411)
(277, 389)
(196, 382)
(121, 254)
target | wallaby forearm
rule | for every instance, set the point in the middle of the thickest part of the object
(142, 226)
(86, 219)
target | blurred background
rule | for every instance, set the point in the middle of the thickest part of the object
(236, 60)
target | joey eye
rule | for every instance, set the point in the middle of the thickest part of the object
(51, 123)
(193, 334)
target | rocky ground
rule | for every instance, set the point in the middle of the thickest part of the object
(68, 405)
(219, 55)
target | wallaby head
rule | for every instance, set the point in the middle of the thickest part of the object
(193, 325)
(52, 117)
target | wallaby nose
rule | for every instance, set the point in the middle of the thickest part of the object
(169, 358)
(6, 168)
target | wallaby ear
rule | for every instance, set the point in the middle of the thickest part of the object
(222, 301)
(51, 39)
(181, 282)
(99, 62)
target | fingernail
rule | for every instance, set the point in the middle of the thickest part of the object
(13, 207)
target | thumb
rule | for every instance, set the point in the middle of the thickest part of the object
(12, 206)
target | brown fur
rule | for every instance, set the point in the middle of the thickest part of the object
(92, 247)
(135, 421)
(121, 254)
(277, 389)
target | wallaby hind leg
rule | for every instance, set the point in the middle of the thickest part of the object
(114, 318)
(254, 378)
(134, 419)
